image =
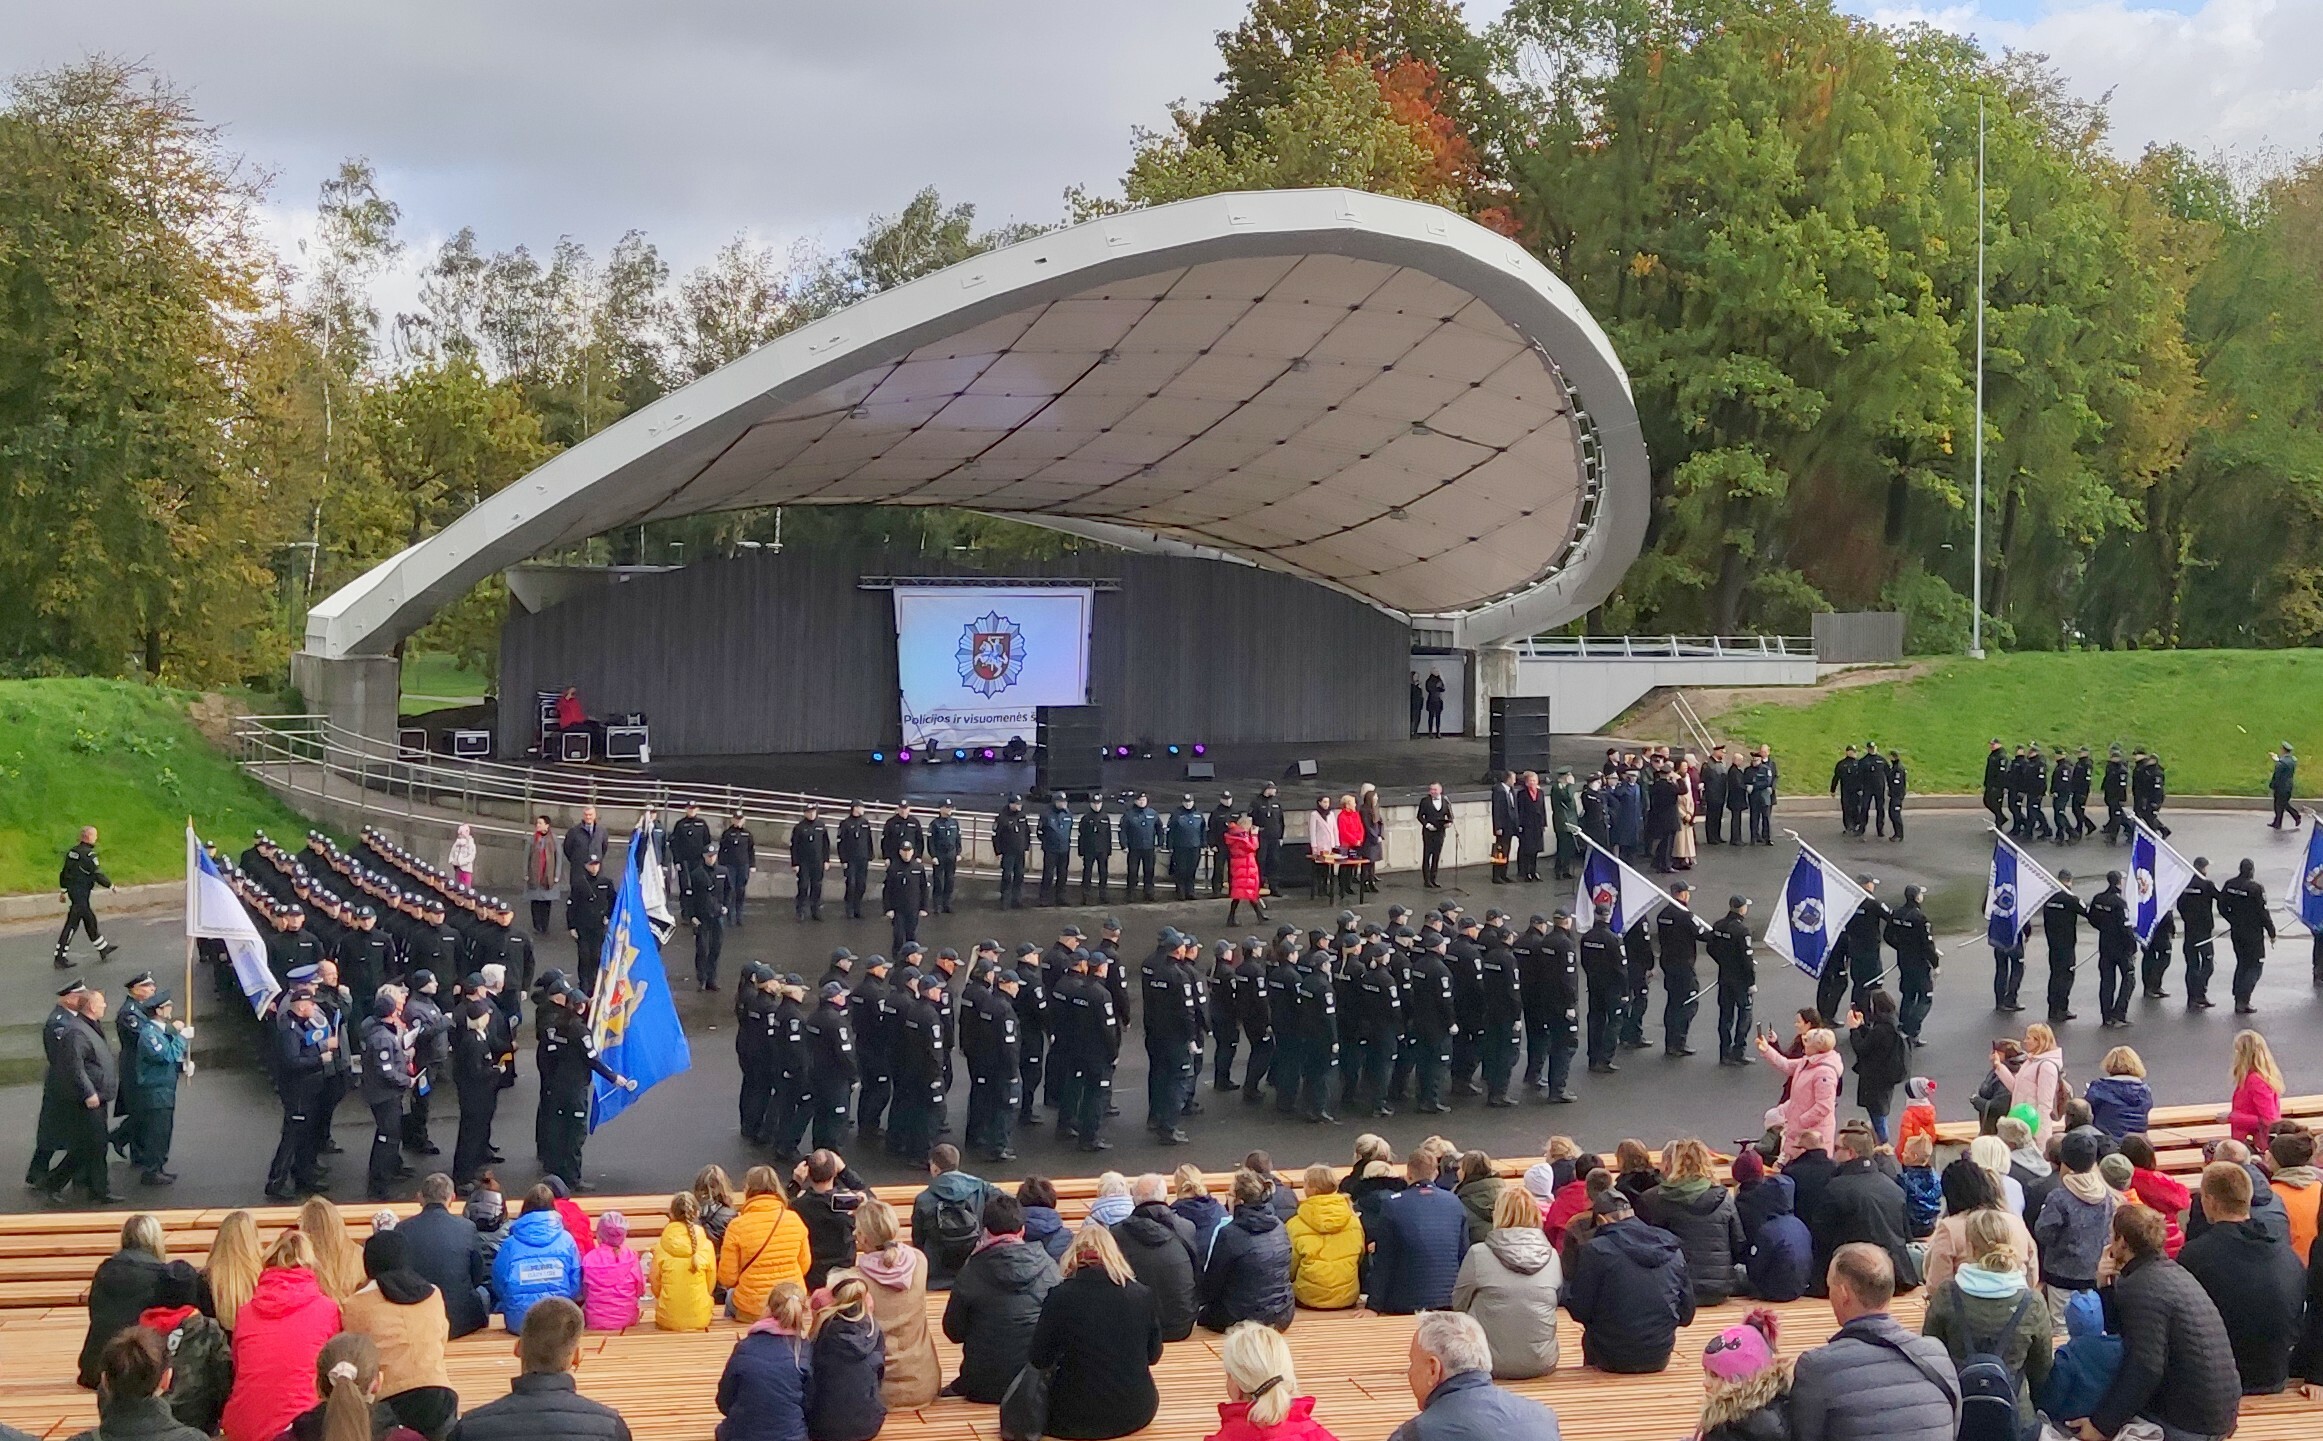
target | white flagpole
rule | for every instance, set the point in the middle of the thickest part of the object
(1976, 568)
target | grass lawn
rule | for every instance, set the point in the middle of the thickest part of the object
(431, 682)
(124, 758)
(2214, 716)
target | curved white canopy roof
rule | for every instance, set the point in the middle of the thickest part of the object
(1367, 393)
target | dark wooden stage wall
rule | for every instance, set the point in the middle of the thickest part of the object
(766, 654)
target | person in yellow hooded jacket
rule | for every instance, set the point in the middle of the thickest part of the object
(766, 1245)
(681, 1269)
(1326, 1245)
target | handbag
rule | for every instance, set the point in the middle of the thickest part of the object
(1024, 1406)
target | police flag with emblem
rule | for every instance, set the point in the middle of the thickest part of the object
(1818, 901)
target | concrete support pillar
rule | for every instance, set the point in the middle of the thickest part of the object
(1491, 672)
(358, 693)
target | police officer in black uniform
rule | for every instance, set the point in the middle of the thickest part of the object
(831, 1064)
(566, 1058)
(919, 1067)
(855, 845)
(1730, 949)
(1538, 995)
(1914, 943)
(1637, 955)
(944, 846)
(1096, 850)
(1172, 1035)
(792, 1106)
(1503, 1013)
(706, 908)
(2109, 917)
(483, 1062)
(588, 908)
(1429, 1023)
(754, 1048)
(874, 1013)
(1679, 934)
(1251, 1012)
(1315, 1026)
(1266, 817)
(1011, 841)
(303, 1045)
(1606, 971)
(2116, 796)
(76, 879)
(1056, 837)
(810, 854)
(995, 1075)
(1995, 782)
(2061, 916)
(2242, 904)
(388, 1077)
(2197, 908)
(1085, 1045)
(904, 895)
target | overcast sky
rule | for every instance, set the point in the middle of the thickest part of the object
(698, 119)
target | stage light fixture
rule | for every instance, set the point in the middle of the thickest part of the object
(1201, 749)
(1175, 749)
(959, 755)
(903, 757)
(879, 758)
(1122, 752)
(1014, 751)
(988, 755)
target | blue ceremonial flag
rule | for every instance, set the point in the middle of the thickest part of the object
(1818, 901)
(2015, 894)
(1607, 881)
(2311, 878)
(2157, 876)
(632, 1018)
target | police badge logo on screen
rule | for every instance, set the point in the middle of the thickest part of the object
(991, 654)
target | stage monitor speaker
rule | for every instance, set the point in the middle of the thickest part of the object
(572, 745)
(626, 742)
(411, 742)
(1520, 734)
(472, 745)
(1068, 742)
(1201, 771)
(1302, 770)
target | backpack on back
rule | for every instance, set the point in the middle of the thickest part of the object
(959, 1222)
(1988, 1384)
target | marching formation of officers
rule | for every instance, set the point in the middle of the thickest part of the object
(1359, 1018)
(2124, 968)
(2035, 797)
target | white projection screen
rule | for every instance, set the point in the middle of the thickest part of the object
(974, 662)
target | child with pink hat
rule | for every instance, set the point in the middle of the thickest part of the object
(1747, 1386)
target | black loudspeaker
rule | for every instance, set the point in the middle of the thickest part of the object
(1301, 770)
(1069, 742)
(1201, 771)
(1520, 734)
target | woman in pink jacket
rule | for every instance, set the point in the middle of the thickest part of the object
(2258, 1091)
(1810, 1113)
(277, 1335)
(2035, 1081)
(612, 1277)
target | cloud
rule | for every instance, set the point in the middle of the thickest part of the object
(695, 120)
(2230, 75)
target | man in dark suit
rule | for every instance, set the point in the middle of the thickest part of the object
(584, 840)
(1504, 824)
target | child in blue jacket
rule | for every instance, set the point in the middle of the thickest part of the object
(2085, 1364)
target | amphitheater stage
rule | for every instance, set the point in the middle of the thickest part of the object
(227, 1117)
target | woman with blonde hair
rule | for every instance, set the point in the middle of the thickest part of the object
(1993, 1156)
(715, 1200)
(897, 1277)
(2258, 1091)
(1192, 1202)
(277, 1335)
(1326, 1245)
(1262, 1390)
(766, 1246)
(1099, 1332)
(124, 1285)
(1987, 1306)
(849, 1355)
(2035, 1088)
(768, 1382)
(1691, 1205)
(231, 1272)
(2120, 1101)
(338, 1260)
(1509, 1282)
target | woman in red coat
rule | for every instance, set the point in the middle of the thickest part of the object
(277, 1335)
(1241, 842)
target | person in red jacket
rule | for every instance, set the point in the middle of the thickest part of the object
(2157, 1190)
(1263, 1401)
(278, 1333)
(1242, 883)
(1571, 1199)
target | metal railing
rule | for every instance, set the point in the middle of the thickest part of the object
(1666, 647)
(308, 755)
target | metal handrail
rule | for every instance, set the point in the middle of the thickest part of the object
(304, 754)
(1666, 647)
